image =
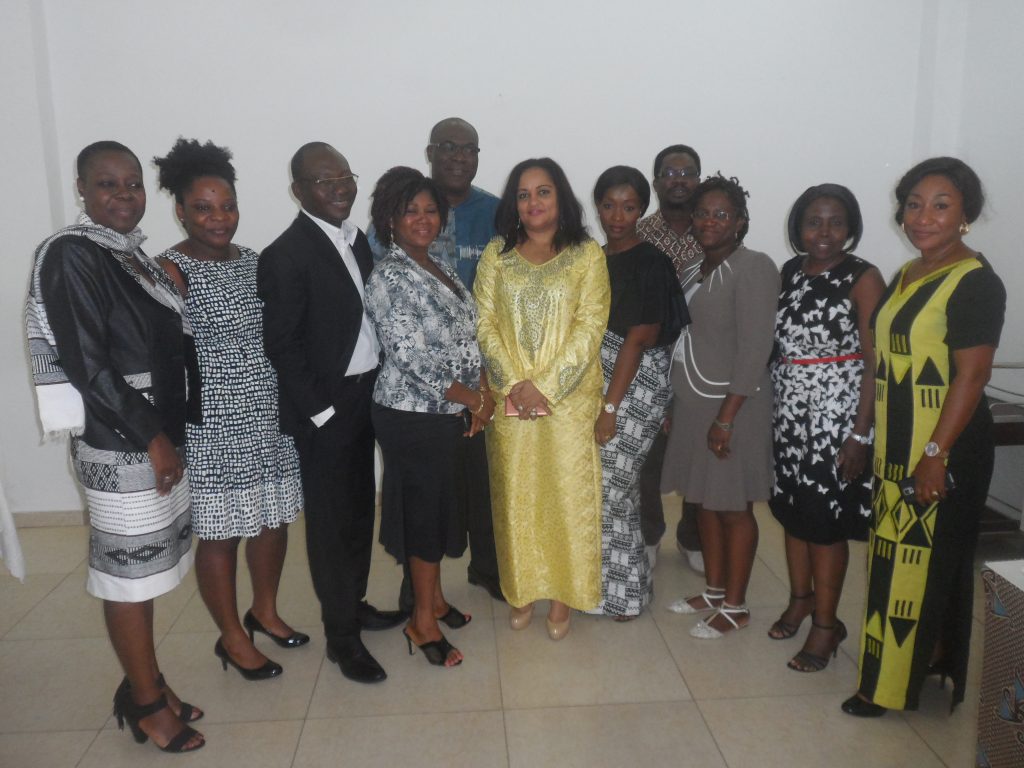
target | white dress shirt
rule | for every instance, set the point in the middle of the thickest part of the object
(366, 354)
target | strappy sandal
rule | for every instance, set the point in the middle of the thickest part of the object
(455, 618)
(435, 651)
(189, 712)
(712, 597)
(703, 629)
(805, 661)
(125, 709)
(782, 629)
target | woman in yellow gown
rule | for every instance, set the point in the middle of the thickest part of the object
(542, 294)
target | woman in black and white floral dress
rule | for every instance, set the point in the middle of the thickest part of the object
(244, 472)
(824, 399)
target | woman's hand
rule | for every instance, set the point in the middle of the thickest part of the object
(527, 399)
(718, 441)
(852, 459)
(167, 466)
(929, 480)
(484, 417)
(604, 427)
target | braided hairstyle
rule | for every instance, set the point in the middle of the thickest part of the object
(189, 160)
(394, 191)
(737, 196)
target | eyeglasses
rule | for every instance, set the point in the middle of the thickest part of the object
(679, 173)
(451, 148)
(333, 183)
(702, 214)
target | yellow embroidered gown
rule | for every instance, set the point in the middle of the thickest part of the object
(545, 323)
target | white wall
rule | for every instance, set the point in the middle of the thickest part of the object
(781, 94)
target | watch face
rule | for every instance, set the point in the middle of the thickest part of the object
(609, 408)
(931, 449)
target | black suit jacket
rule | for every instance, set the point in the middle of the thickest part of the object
(311, 318)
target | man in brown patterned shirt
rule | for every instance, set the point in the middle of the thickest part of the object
(676, 176)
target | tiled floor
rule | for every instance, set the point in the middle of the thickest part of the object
(641, 693)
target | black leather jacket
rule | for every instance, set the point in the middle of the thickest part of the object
(121, 349)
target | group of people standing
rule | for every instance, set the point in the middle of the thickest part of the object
(531, 392)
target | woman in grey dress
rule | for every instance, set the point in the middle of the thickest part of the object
(720, 450)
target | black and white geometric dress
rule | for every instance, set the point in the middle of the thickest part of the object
(244, 472)
(816, 403)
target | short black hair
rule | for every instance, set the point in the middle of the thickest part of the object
(623, 175)
(189, 160)
(300, 156)
(957, 171)
(737, 196)
(571, 230)
(394, 191)
(96, 148)
(837, 192)
(672, 150)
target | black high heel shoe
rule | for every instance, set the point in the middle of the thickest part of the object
(188, 714)
(252, 625)
(125, 709)
(435, 651)
(857, 707)
(267, 671)
(455, 618)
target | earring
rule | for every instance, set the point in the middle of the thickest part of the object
(964, 227)
(81, 198)
(903, 226)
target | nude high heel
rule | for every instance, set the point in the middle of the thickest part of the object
(519, 618)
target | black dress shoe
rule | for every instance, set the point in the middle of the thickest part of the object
(355, 661)
(267, 671)
(857, 707)
(252, 625)
(372, 619)
(491, 585)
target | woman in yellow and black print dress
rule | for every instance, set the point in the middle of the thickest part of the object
(936, 331)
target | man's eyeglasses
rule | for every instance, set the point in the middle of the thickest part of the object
(333, 183)
(451, 148)
(678, 173)
(702, 214)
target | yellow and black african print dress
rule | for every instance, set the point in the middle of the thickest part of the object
(920, 568)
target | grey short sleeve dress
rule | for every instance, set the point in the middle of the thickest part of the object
(725, 349)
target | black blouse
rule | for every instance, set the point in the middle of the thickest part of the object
(645, 290)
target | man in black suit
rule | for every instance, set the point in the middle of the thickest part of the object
(325, 351)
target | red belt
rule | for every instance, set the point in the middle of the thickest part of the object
(820, 360)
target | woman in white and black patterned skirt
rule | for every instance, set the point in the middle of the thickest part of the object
(647, 313)
(824, 404)
(244, 472)
(110, 356)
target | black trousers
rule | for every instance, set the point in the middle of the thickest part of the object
(336, 462)
(652, 513)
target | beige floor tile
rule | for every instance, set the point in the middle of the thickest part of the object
(68, 611)
(248, 745)
(54, 550)
(452, 740)
(413, 685)
(17, 598)
(749, 663)
(783, 732)
(188, 663)
(652, 734)
(56, 685)
(598, 663)
(44, 750)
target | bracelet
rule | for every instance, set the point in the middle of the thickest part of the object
(725, 426)
(867, 439)
(479, 410)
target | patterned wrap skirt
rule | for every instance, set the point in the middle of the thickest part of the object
(626, 583)
(140, 543)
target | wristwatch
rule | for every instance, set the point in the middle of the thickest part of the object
(931, 449)
(610, 408)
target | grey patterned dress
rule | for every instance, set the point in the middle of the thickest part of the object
(244, 472)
